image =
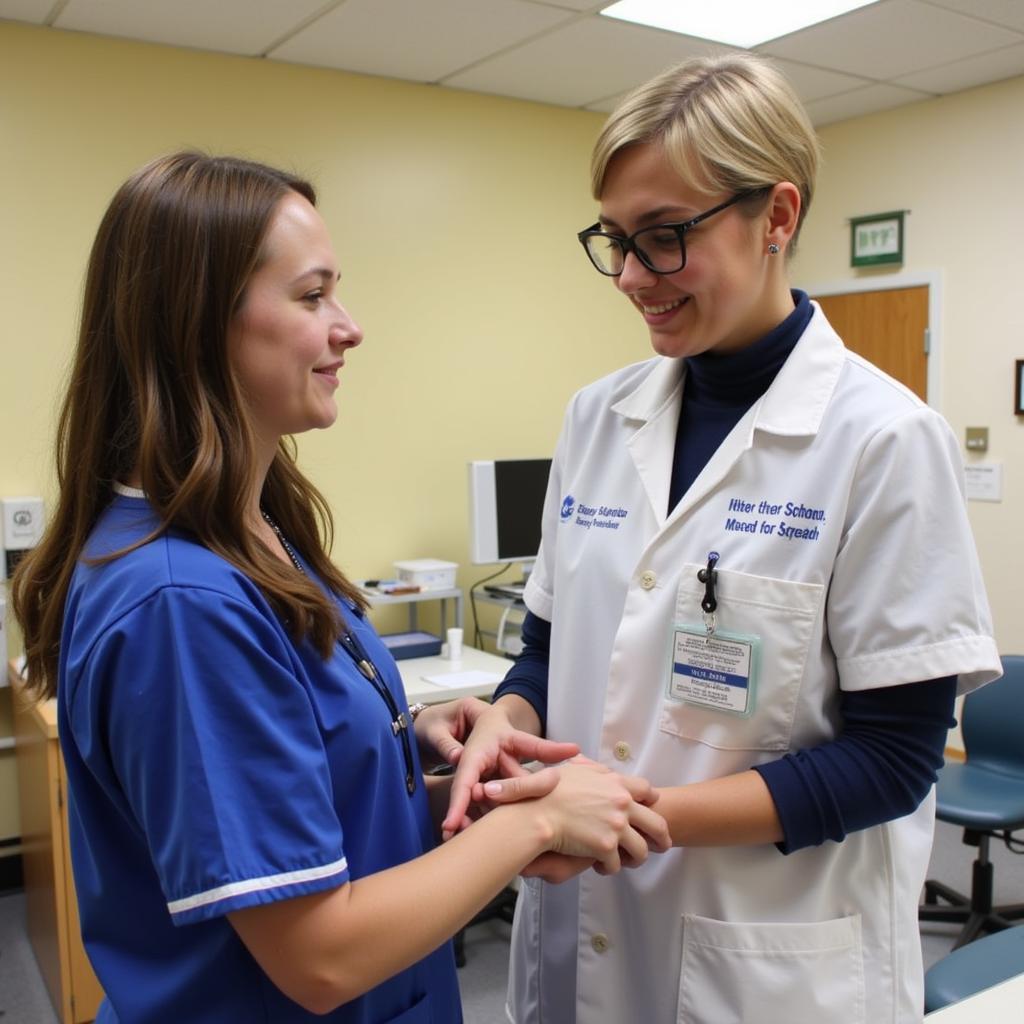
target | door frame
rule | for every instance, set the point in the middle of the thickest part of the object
(932, 279)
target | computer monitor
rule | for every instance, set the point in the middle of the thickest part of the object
(506, 501)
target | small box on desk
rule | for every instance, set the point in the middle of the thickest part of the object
(415, 644)
(428, 573)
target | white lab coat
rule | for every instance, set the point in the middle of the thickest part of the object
(881, 586)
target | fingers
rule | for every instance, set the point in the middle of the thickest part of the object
(640, 789)
(458, 802)
(448, 748)
(530, 786)
(509, 766)
(633, 848)
(652, 826)
(610, 864)
(527, 747)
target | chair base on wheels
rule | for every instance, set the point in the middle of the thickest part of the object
(503, 906)
(976, 911)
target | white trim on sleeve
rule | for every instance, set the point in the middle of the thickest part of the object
(202, 899)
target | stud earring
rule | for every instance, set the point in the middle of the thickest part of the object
(773, 249)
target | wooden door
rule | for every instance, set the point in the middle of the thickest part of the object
(888, 328)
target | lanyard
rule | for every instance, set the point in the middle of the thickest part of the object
(355, 650)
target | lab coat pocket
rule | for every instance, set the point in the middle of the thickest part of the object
(782, 615)
(808, 973)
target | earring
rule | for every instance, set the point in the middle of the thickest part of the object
(773, 249)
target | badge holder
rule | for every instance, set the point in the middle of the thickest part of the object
(709, 667)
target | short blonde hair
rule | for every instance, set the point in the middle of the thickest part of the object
(728, 124)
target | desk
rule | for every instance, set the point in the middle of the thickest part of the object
(1000, 1004)
(418, 689)
(50, 904)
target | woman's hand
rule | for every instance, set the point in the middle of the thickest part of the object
(597, 817)
(441, 729)
(494, 746)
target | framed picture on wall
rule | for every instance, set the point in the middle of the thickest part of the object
(876, 239)
(1018, 389)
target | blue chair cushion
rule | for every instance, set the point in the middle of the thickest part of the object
(978, 797)
(974, 967)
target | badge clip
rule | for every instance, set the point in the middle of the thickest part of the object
(709, 577)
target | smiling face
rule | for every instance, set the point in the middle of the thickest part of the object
(289, 337)
(731, 291)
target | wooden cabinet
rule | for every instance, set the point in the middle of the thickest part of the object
(51, 907)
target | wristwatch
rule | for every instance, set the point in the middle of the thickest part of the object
(415, 709)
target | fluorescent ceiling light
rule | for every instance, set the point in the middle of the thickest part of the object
(735, 22)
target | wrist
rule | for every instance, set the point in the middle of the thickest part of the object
(532, 825)
(518, 712)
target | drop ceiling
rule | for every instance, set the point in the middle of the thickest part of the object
(564, 52)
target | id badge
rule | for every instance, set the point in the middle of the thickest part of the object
(717, 671)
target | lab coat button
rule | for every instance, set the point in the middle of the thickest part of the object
(648, 580)
(600, 943)
(622, 751)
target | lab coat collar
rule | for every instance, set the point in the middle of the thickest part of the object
(796, 401)
(658, 388)
(794, 404)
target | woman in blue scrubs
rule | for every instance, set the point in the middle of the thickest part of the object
(251, 828)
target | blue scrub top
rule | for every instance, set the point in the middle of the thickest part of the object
(213, 764)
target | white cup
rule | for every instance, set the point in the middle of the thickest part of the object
(454, 643)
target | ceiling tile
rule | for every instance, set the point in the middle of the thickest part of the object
(584, 62)
(1002, 12)
(816, 83)
(26, 10)
(890, 39)
(965, 74)
(386, 37)
(869, 100)
(608, 104)
(230, 26)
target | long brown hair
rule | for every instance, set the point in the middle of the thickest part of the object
(152, 393)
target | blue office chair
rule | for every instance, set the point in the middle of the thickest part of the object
(986, 796)
(982, 964)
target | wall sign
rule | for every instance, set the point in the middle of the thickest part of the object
(876, 239)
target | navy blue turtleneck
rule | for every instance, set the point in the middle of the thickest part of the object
(891, 740)
(720, 389)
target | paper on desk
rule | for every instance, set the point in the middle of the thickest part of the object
(456, 680)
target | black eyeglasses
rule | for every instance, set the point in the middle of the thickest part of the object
(661, 248)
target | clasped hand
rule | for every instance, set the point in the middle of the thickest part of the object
(597, 817)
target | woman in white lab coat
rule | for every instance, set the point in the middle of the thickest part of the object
(757, 587)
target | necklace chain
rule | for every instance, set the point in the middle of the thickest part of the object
(288, 549)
